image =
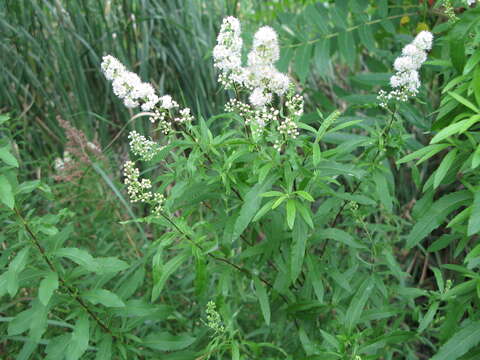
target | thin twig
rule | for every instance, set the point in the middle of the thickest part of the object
(73, 292)
(218, 258)
(385, 132)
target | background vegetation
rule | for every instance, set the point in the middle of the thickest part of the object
(360, 241)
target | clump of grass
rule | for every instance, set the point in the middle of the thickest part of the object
(51, 51)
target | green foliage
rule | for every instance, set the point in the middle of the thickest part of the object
(358, 239)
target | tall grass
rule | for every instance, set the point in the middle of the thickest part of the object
(51, 52)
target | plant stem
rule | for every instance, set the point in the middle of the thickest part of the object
(218, 258)
(328, 36)
(186, 132)
(385, 132)
(73, 292)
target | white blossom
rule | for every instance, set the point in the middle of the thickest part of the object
(167, 102)
(111, 67)
(405, 63)
(128, 86)
(142, 147)
(406, 80)
(185, 116)
(259, 97)
(139, 189)
(227, 54)
(279, 83)
(265, 49)
(424, 40)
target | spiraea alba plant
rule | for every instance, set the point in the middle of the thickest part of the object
(266, 231)
(252, 207)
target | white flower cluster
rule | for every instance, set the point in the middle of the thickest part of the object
(236, 106)
(161, 113)
(406, 81)
(289, 128)
(227, 54)
(139, 190)
(184, 117)
(256, 118)
(260, 75)
(128, 86)
(295, 105)
(167, 103)
(471, 2)
(142, 147)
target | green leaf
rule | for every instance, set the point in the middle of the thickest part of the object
(299, 237)
(427, 151)
(383, 192)
(110, 265)
(38, 322)
(460, 343)
(474, 220)
(317, 154)
(7, 157)
(251, 204)
(3, 283)
(104, 297)
(6, 193)
(442, 242)
(279, 201)
(47, 286)
(272, 194)
(80, 257)
(333, 168)
(28, 186)
(471, 63)
(166, 271)
(132, 283)
(457, 53)
(435, 215)
(331, 340)
(262, 297)
(55, 349)
(20, 323)
(306, 213)
(235, 351)
(463, 101)
(358, 302)
(322, 57)
(314, 276)
(80, 337)
(438, 278)
(455, 128)
(302, 61)
(476, 157)
(165, 341)
(340, 236)
(427, 319)
(444, 167)
(291, 212)
(347, 48)
(14, 269)
(305, 195)
(265, 208)
(142, 309)
(105, 348)
(474, 253)
(476, 84)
